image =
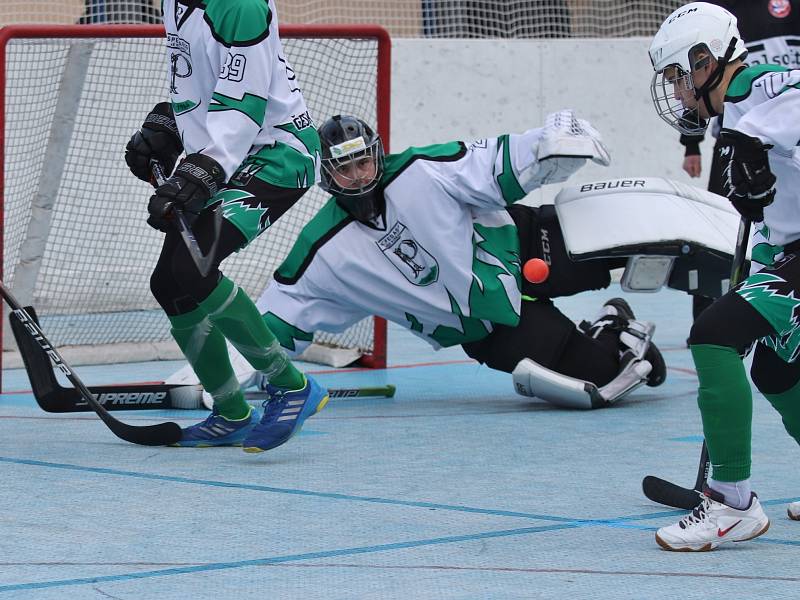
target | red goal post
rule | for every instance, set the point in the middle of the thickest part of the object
(75, 243)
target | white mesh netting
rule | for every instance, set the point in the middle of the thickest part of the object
(76, 102)
(403, 18)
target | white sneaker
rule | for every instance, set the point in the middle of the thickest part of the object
(714, 523)
(793, 510)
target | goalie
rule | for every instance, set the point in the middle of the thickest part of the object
(431, 239)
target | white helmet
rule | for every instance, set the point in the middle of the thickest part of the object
(695, 26)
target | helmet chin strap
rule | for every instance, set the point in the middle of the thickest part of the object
(704, 91)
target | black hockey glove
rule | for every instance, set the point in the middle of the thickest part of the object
(158, 139)
(750, 185)
(196, 179)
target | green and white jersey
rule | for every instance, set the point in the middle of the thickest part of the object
(444, 262)
(233, 91)
(763, 101)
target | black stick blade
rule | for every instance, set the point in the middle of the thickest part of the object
(667, 493)
(162, 434)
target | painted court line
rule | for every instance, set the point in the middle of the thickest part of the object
(562, 523)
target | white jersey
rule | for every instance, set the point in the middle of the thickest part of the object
(764, 101)
(232, 90)
(444, 262)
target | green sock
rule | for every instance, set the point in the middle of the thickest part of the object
(204, 347)
(232, 311)
(788, 405)
(726, 405)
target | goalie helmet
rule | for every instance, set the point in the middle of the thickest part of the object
(352, 165)
(686, 42)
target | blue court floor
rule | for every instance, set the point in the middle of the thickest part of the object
(454, 488)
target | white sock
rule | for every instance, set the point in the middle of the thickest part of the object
(736, 493)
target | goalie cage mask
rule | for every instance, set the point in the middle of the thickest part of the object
(346, 140)
(686, 42)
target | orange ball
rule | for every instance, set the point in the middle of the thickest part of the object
(536, 270)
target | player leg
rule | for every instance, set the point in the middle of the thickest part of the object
(730, 511)
(564, 362)
(212, 308)
(779, 381)
(204, 347)
(250, 204)
(552, 359)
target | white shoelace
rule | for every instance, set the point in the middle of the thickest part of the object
(698, 514)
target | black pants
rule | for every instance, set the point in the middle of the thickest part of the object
(176, 282)
(732, 322)
(545, 334)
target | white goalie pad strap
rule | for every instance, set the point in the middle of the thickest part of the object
(637, 336)
(654, 210)
(631, 377)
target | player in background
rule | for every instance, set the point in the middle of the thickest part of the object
(431, 239)
(252, 151)
(698, 58)
(771, 32)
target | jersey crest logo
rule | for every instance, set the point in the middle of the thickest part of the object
(780, 9)
(408, 256)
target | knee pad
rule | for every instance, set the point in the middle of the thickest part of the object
(188, 277)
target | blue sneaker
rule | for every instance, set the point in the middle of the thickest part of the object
(284, 414)
(216, 430)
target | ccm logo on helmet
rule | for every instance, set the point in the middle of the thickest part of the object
(682, 13)
(611, 185)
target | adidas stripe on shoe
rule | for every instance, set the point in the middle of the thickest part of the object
(285, 411)
(216, 430)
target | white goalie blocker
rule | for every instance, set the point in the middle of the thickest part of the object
(674, 234)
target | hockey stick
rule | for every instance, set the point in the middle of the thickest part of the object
(52, 397)
(665, 492)
(202, 261)
(162, 434)
(383, 391)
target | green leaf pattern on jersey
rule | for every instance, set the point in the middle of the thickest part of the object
(416, 325)
(764, 253)
(243, 210)
(471, 329)
(286, 333)
(495, 253)
(774, 299)
(252, 106)
(506, 179)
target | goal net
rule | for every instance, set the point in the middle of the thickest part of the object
(402, 18)
(75, 242)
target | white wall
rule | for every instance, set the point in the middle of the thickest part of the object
(444, 90)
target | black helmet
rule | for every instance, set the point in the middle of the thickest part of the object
(345, 140)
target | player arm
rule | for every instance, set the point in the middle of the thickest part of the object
(500, 171)
(245, 57)
(294, 312)
(775, 122)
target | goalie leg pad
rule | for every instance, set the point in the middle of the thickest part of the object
(532, 379)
